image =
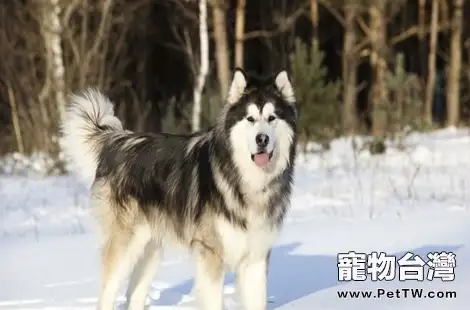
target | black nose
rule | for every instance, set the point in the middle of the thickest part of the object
(262, 140)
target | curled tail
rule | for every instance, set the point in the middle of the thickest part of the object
(88, 120)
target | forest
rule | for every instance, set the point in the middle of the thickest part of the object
(381, 68)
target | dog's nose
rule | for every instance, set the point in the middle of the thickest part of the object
(262, 140)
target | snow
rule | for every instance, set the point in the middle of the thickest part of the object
(37, 164)
(415, 200)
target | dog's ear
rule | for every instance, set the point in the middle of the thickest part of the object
(284, 86)
(237, 87)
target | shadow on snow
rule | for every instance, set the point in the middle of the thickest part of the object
(292, 276)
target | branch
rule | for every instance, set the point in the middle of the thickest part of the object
(101, 30)
(69, 10)
(363, 26)
(413, 31)
(186, 12)
(333, 11)
(410, 32)
(189, 51)
(184, 43)
(284, 24)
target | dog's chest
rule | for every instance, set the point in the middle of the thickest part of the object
(240, 244)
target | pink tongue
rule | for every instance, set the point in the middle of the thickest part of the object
(261, 159)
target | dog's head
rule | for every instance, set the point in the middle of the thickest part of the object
(261, 121)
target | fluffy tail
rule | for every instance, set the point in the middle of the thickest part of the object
(88, 118)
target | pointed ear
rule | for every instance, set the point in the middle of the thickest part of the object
(237, 87)
(284, 86)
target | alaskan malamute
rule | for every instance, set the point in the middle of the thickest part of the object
(222, 193)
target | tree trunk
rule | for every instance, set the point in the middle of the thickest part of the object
(349, 69)
(204, 63)
(52, 96)
(221, 46)
(52, 31)
(430, 85)
(239, 33)
(399, 97)
(15, 118)
(421, 19)
(455, 65)
(378, 63)
(421, 36)
(314, 16)
(467, 46)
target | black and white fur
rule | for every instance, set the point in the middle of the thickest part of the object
(203, 191)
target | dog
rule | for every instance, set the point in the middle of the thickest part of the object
(221, 193)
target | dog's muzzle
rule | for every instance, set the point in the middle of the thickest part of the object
(262, 157)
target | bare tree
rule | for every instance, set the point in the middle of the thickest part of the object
(314, 17)
(26, 76)
(49, 48)
(204, 65)
(89, 45)
(350, 61)
(239, 33)
(221, 45)
(378, 63)
(422, 33)
(374, 43)
(430, 85)
(51, 28)
(455, 66)
(182, 28)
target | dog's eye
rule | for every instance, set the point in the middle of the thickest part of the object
(250, 119)
(271, 118)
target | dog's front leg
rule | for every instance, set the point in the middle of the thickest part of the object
(252, 283)
(209, 280)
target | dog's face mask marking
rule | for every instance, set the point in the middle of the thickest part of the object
(260, 133)
(260, 121)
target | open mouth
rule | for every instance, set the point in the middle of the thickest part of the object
(262, 159)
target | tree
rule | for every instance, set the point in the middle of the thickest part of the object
(350, 61)
(431, 81)
(422, 32)
(204, 65)
(455, 66)
(314, 17)
(221, 45)
(239, 33)
(378, 97)
(51, 28)
(318, 99)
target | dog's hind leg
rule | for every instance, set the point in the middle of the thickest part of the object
(119, 254)
(209, 280)
(142, 275)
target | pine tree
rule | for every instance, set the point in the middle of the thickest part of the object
(318, 100)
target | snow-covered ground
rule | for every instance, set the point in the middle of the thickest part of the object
(417, 200)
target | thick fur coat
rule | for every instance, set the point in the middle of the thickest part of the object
(222, 193)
